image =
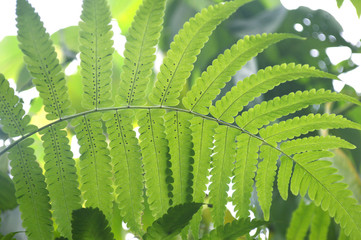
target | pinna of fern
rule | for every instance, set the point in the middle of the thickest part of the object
(176, 145)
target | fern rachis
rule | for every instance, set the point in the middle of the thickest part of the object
(170, 159)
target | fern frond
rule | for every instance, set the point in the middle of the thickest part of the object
(31, 193)
(300, 221)
(187, 44)
(244, 172)
(209, 85)
(202, 137)
(297, 126)
(94, 163)
(41, 60)
(319, 225)
(139, 51)
(314, 144)
(29, 182)
(127, 166)
(233, 230)
(177, 128)
(261, 82)
(265, 177)
(96, 49)
(223, 163)
(266, 112)
(300, 145)
(12, 118)
(324, 187)
(155, 155)
(61, 177)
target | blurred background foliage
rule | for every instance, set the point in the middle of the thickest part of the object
(320, 30)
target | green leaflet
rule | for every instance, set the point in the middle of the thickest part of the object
(322, 184)
(31, 192)
(265, 177)
(96, 49)
(7, 193)
(209, 85)
(139, 52)
(127, 166)
(11, 112)
(42, 61)
(297, 126)
(187, 44)
(90, 224)
(233, 230)
(202, 137)
(171, 223)
(155, 155)
(61, 177)
(319, 225)
(94, 163)
(262, 114)
(253, 86)
(284, 176)
(301, 221)
(177, 128)
(223, 160)
(244, 172)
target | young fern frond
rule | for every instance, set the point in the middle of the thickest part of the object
(223, 160)
(61, 178)
(127, 166)
(155, 155)
(96, 49)
(324, 188)
(266, 112)
(139, 52)
(187, 44)
(178, 133)
(94, 163)
(209, 85)
(41, 60)
(253, 86)
(29, 182)
(202, 136)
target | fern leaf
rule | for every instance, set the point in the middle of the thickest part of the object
(178, 63)
(94, 163)
(12, 118)
(266, 112)
(326, 190)
(177, 128)
(139, 55)
(304, 145)
(209, 85)
(265, 177)
(223, 160)
(90, 223)
(319, 225)
(202, 136)
(314, 144)
(29, 182)
(245, 169)
(154, 148)
(233, 230)
(301, 221)
(61, 177)
(171, 223)
(42, 62)
(253, 86)
(31, 192)
(96, 49)
(127, 166)
(297, 126)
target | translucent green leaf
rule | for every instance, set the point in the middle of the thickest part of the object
(301, 221)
